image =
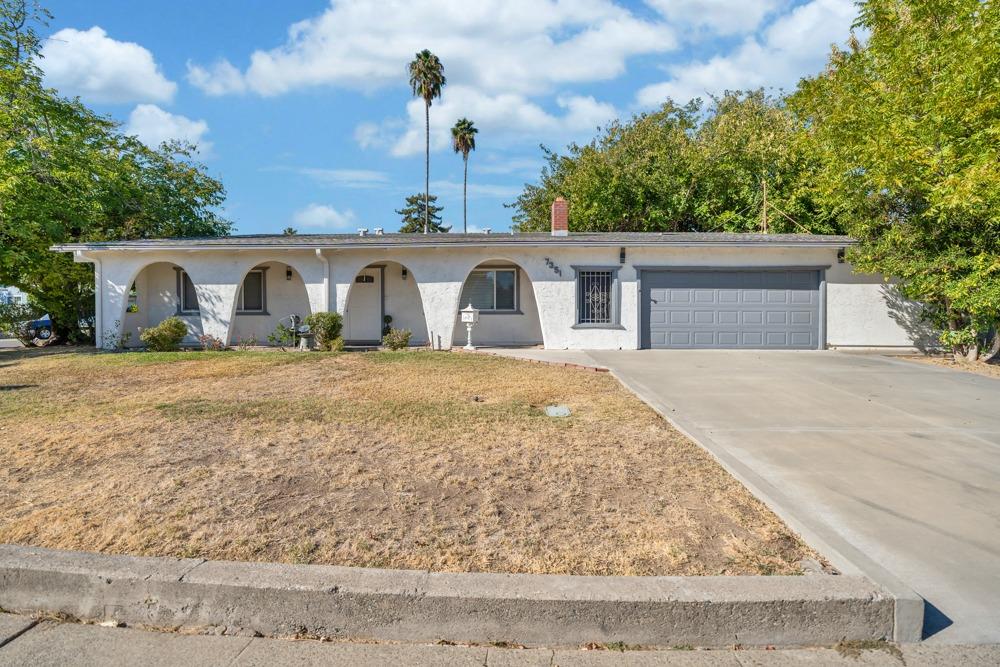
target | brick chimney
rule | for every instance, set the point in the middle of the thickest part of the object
(560, 217)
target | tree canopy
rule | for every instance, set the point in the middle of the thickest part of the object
(68, 174)
(414, 218)
(907, 126)
(742, 164)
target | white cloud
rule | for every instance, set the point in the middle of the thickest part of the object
(724, 17)
(90, 64)
(220, 78)
(153, 126)
(323, 216)
(792, 46)
(523, 46)
(499, 117)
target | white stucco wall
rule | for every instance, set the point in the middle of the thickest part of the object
(860, 309)
(864, 311)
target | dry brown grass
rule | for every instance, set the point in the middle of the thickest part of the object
(982, 368)
(441, 461)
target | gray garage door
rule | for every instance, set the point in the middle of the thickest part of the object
(731, 309)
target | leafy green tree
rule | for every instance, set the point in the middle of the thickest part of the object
(290, 231)
(633, 177)
(754, 169)
(426, 80)
(67, 174)
(907, 126)
(743, 164)
(421, 214)
(463, 140)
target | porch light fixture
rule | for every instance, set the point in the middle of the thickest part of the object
(841, 255)
(405, 273)
(470, 317)
(288, 273)
(621, 255)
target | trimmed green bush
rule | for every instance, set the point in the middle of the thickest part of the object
(165, 336)
(397, 339)
(325, 328)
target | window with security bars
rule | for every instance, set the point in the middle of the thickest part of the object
(595, 297)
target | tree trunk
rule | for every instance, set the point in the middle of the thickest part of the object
(972, 352)
(465, 194)
(427, 166)
(994, 350)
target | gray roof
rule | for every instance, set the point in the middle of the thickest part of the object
(310, 241)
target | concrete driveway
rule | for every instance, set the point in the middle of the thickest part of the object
(892, 463)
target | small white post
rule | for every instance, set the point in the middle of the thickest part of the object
(470, 316)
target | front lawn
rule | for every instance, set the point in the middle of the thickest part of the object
(441, 461)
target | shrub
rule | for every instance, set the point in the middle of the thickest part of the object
(210, 343)
(325, 328)
(397, 339)
(245, 344)
(282, 336)
(337, 344)
(165, 336)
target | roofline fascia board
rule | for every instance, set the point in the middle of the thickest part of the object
(411, 246)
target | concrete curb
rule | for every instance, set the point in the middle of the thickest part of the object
(908, 610)
(408, 605)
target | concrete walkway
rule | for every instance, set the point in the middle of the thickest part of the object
(893, 463)
(51, 644)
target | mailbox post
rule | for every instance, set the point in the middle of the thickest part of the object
(470, 316)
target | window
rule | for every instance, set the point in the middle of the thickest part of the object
(595, 296)
(133, 300)
(188, 296)
(491, 290)
(251, 297)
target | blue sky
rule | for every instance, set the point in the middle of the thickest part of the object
(302, 108)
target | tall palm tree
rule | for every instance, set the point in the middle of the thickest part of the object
(463, 140)
(427, 80)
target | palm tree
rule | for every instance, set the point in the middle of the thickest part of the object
(463, 140)
(427, 80)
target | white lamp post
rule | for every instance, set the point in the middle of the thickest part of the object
(470, 316)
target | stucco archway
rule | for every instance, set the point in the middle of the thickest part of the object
(379, 289)
(513, 319)
(157, 295)
(282, 295)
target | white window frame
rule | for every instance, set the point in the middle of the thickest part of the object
(517, 290)
(240, 309)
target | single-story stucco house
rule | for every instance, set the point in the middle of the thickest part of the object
(560, 290)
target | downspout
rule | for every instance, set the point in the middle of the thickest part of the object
(326, 278)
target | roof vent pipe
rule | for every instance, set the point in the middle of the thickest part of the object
(487, 230)
(378, 231)
(560, 217)
(362, 231)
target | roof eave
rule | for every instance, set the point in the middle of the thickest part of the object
(831, 243)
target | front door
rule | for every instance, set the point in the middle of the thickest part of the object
(364, 307)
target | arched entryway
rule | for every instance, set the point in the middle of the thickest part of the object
(505, 297)
(157, 291)
(270, 293)
(381, 290)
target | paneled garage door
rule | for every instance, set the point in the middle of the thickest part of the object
(731, 309)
